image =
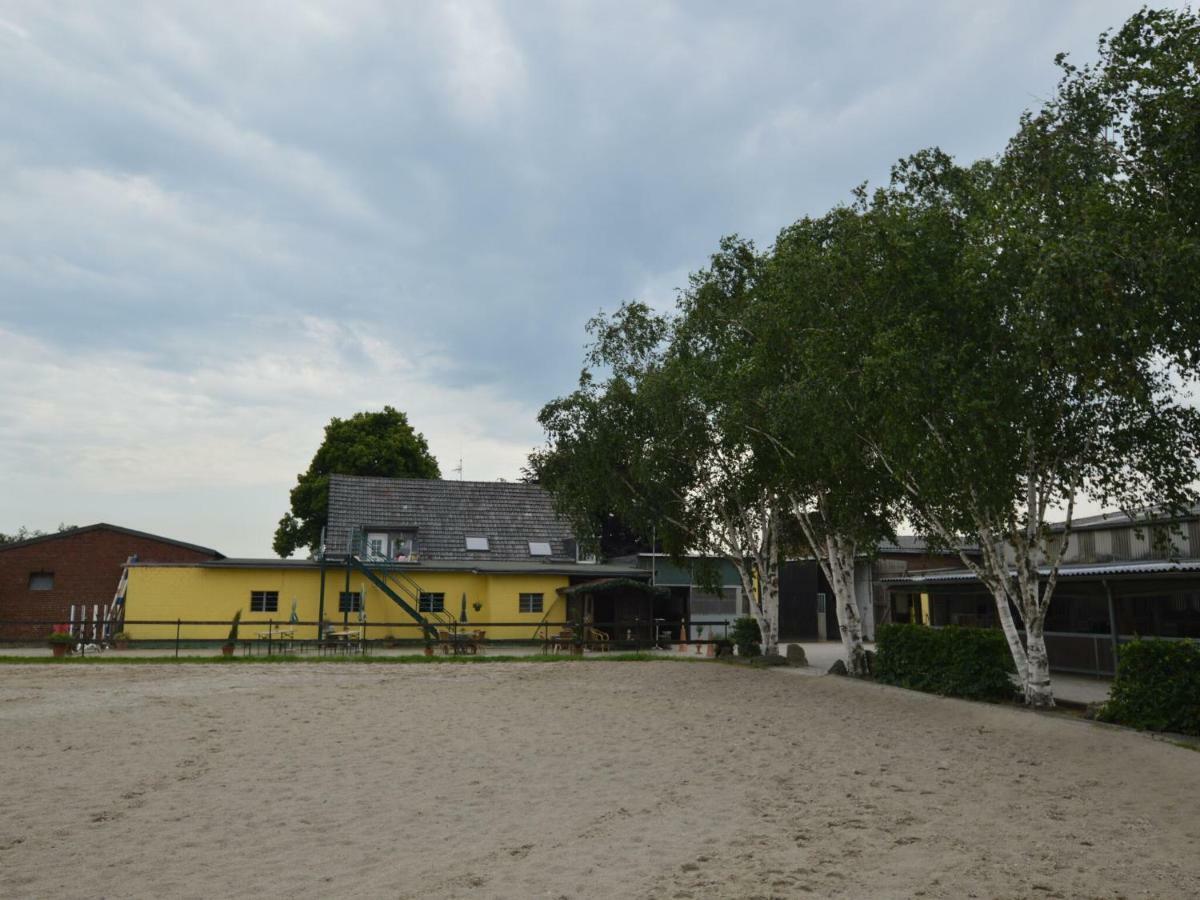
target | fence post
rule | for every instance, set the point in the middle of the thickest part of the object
(178, 624)
(579, 635)
(270, 630)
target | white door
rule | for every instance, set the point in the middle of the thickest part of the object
(377, 545)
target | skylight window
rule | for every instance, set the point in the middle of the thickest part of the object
(477, 543)
(539, 548)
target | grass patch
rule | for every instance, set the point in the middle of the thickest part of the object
(414, 659)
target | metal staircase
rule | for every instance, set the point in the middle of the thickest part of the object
(403, 590)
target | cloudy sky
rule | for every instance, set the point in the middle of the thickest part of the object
(222, 224)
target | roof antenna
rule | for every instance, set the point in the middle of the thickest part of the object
(459, 467)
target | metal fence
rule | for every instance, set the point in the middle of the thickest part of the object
(271, 637)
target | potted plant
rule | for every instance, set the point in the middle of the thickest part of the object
(120, 640)
(477, 606)
(61, 640)
(231, 642)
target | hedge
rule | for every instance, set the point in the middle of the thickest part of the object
(957, 662)
(746, 636)
(1157, 687)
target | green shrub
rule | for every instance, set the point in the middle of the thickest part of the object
(958, 662)
(746, 637)
(1157, 687)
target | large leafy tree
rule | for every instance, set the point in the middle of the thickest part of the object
(818, 305)
(1045, 366)
(367, 443)
(647, 436)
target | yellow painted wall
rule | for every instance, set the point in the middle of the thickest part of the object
(199, 593)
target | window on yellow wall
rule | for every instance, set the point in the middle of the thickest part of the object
(349, 601)
(264, 601)
(431, 603)
(530, 603)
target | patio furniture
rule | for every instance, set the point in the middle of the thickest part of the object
(563, 642)
(347, 640)
(283, 637)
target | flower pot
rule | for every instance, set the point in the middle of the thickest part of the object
(227, 649)
(429, 649)
(60, 650)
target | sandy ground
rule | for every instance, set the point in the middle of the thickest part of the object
(572, 780)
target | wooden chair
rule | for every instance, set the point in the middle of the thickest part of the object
(562, 642)
(598, 640)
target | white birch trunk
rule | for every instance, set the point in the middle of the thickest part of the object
(1038, 691)
(1009, 627)
(841, 569)
(768, 616)
(765, 610)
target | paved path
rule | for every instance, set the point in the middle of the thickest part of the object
(1074, 688)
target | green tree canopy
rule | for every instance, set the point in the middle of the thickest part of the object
(24, 533)
(368, 443)
(1045, 367)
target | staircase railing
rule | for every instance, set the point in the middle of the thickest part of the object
(372, 574)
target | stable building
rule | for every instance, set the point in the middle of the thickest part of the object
(1120, 578)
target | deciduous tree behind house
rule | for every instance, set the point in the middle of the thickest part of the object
(368, 443)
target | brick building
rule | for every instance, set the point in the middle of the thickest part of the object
(41, 577)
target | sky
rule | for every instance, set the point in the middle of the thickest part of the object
(222, 224)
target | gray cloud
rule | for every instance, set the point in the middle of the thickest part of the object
(221, 226)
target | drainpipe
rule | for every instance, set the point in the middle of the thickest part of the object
(321, 596)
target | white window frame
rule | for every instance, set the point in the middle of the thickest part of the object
(431, 602)
(526, 602)
(268, 601)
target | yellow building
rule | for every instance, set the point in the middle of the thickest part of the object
(402, 556)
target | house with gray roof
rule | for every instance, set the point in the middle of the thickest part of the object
(421, 520)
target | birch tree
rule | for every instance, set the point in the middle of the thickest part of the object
(798, 384)
(1044, 364)
(649, 443)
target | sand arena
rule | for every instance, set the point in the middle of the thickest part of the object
(572, 780)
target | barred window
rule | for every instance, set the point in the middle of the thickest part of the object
(350, 601)
(264, 601)
(529, 603)
(431, 603)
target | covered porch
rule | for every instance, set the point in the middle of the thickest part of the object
(618, 612)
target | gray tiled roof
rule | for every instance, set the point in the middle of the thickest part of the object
(445, 513)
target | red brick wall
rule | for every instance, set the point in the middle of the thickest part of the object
(86, 566)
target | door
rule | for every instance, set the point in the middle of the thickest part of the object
(377, 545)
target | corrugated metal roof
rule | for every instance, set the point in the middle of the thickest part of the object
(1120, 519)
(1080, 570)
